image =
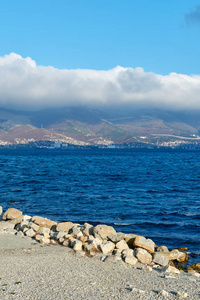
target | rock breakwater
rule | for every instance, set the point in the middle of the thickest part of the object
(91, 240)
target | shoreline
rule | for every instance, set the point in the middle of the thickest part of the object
(88, 258)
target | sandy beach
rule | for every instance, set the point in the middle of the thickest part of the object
(30, 270)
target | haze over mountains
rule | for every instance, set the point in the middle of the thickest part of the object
(82, 125)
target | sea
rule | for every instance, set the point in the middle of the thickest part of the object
(153, 193)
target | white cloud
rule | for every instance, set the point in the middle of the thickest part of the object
(24, 85)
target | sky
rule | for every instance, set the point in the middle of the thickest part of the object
(100, 53)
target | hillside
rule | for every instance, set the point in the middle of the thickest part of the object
(82, 125)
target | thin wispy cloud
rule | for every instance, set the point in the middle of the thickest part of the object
(193, 17)
(24, 85)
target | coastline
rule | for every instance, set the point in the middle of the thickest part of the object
(51, 270)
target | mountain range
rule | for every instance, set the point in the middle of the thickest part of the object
(84, 125)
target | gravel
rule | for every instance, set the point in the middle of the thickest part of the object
(29, 270)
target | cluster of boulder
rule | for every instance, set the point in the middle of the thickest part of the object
(89, 240)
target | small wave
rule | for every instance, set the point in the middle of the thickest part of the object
(193, 253)
(179, 213)
(122, 224)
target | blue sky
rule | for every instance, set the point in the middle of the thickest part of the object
(100, 52)
(101, 34)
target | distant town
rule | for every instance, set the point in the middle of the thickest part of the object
(57, 144)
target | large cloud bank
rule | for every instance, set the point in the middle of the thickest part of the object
(24, 85)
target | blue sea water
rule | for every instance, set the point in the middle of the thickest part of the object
(151, 193)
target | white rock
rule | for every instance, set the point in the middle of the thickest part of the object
(149, 269)
(170, 269)
(131, 260)
(4, 225)
(77, 246)
(196, 274)
(30, 232)
(1, 210)
(44, 240)
(88, 229)
(102, 231)
(66, 243)
(112, 259)
(159, 259)
(26, 218)
(182, 295)
(127, 252)
(42, 230)
(164, 294)
(107, 247)
(143, 256)
(53, 242)
(122, 245)
(135, 290)
(34, 226)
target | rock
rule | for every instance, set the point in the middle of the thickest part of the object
(144, 243)
(143, 256)
(12, 213)
(170, 269)
(162, 249)
(65, 243)
(64, 226)
(183, 249)
(102, 231)
(169, 255)
(164, 294)
(44, 231)
(92, 247)
(43, 222)
(87, 229)
(26, 218)
(135, 290)
(131, 260)
(107, 247)
(17, 220)
(122, 245)
(6, 225)
(189, 270)
(127, 252)
(182, 295)
(53, 242)
(196, 274)
(129, 238)
(30, 232)
(181, 256)
(117, 252)
(77, 245)
(196, 267)
(83, 239)
(60, 240)
(79, 235)
(115, 238)
(159, 259)
(76, 230)
(42, 239)
(149, 269)
(1, 210)
(112, 259)
(22, 225)
(34, 226)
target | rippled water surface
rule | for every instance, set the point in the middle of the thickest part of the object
(151, 193)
